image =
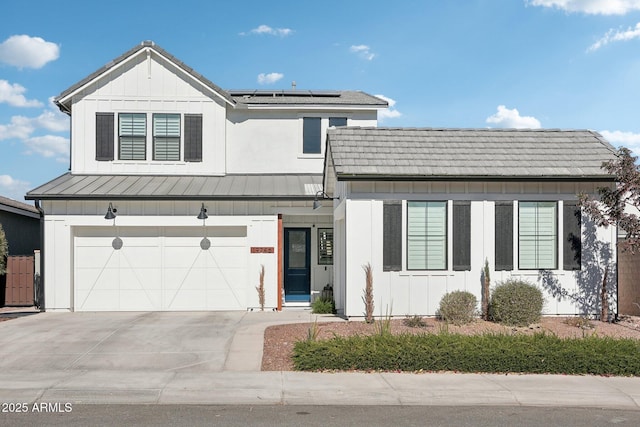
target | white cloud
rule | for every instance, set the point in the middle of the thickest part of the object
(49, 146)
(13, 188)
(12, 94)
(506, 118)
(23, 51)
(52, 120)
(265, 29)
(267, 79)
(388, 113)
(591, 7)
(20, 127)
(616, 36)
(363, 51)
(628, 139)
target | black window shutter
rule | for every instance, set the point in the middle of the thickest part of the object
(104, 136)
(461, 235)
(392, 236)
(504, 236)
(193, 137)
(572, 253)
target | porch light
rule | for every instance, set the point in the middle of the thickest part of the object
(111, 212)
(316, 203)
(203, 213)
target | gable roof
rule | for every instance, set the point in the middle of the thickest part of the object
(14, 206)
(61, 99)
(244, 98)
(453, 154)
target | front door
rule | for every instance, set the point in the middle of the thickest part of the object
(297, 264)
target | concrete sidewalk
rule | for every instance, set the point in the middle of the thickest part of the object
(108, 376)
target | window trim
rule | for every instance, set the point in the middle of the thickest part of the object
(446, 235)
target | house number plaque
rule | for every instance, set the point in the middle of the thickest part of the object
(262, 249)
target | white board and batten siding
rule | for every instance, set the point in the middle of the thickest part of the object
(147, 85)
(359, 233)
(161, 265)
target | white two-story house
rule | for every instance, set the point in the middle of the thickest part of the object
(182, 195)
(180, 192)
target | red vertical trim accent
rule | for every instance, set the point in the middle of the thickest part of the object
(280, 260)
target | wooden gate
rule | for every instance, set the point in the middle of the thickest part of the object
(19, 281)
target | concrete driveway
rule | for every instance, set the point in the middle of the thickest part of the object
(197, 341)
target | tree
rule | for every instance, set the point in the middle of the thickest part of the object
(613, 206)
(4, 250)
(618, 206)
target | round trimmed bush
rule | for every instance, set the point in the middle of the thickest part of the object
(458, 307)
(516, 303)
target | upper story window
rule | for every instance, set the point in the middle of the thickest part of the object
(312, 132)
(312, 135)
(132, 136)
(175, 137)
(166, 137)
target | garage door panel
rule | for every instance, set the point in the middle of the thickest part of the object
(98, 300)
(139, 300)
(161, 269)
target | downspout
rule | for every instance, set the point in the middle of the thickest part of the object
(39, 289)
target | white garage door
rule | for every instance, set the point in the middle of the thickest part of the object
(160, 269)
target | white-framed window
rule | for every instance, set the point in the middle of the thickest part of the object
(166, 136)
(325, 246)
(132, 136)
(313, 131)
(426, 235)
(537, 235)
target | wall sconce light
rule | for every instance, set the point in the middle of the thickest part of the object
(203, 213)
(205, 243)
(111, 212)
(316, 203)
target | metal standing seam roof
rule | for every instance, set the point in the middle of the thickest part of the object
(427, 153)
(185, 187)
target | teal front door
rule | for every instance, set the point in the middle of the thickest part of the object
(297, 265)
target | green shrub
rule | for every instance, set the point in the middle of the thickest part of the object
(414, 321)
(323, 306)
(458, 307)
(496, 353)
(4, 250)
(516, 303)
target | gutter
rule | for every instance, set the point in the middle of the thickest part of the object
(38, 290)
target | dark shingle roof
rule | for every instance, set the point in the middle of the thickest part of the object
(164, 187)
(306, 97)
(7, 204)
(386, 153)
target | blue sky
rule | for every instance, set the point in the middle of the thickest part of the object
(570, 64)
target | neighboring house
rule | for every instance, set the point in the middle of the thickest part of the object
(21, 225)
(179, 191)
(427, 207)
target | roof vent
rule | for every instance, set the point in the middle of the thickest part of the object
(293, 85)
